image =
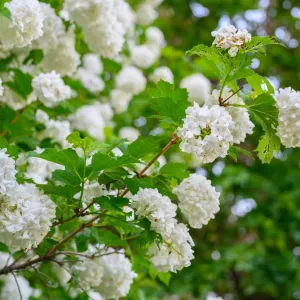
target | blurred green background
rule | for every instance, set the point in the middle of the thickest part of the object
(252, 249)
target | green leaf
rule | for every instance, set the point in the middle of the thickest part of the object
(101, 161)
(143, 146)
(135, 183)
(108, 238)
(4, 11)
(266, 113)
(34, 57)
(170, 103)
(21, 83)
(66, 176)
(66, 191)
(112, 203)
(260, 84)
(258, 43)
(176, 170)
(12, 151)
(165, 277)
(234, 152)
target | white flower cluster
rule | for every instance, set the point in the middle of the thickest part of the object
(231, 38)
(25, 213)
(198, 200)
(129, 82)
(239, 115)
(288, 130)
(102, 30)
(146, 13)
(206, 132)
(89, 74)
(50, 89)
(24, 26)
(129, 133)
(54, 129)
(198, 86)
(162, 73)
(10, 288)
(108, 273)
(92, 190)
(40, 170)
(92, 118)
(1, 88)
(175, 252)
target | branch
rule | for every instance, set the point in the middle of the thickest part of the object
(13, 121)
(172, 142)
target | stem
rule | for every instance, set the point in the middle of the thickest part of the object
(232, 95)
(13, 121)
(172, 142)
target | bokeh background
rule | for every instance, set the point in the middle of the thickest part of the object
(252, 249)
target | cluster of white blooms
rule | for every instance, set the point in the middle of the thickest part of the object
(125, 15)
(54, 129)
(92, 190)
(129, 133)
(25, 213)
(50, 89)
(40, 170)
(146, 13)
(129, 82)
(198, 200)
(175, 252)
(118, 275)
(1, 88)
(53, 28)
(24, 25)
(162, 73)
(239, 115)
(92, 82)
(231, 38)
(158, 209)
(7, 173)
(198, 86)
(92, 63)
(102, 30)
(91, 118)
(63, 58)
(288, 130)
(206, 132)
(108, 273)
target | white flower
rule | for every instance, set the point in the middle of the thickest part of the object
(162, 73)
(10, 289)
(154, 3)
(198, 200)
(40, 170)
(206, 132)
(198, 87)
(120, 100)
(155, 37)
(129, 133)
(92, 82)
(213, 296)
(92, 63)
(118, 275)
(175, 252)
(89, 271)
(239, 115)
(125, 14)
(131, 80)
(41, 117)
(92, 190)
(53, 29)
(95, 296)
(57, 131)
(7, 173)
(1, 88)
(102, 30)
(89, 118)
(143, 56)
(63, 58)
(25, 217)
(231, 38)
(145, 14)
(14, 100)
(62, 273)
(25, 26)
(158, 209)
(50, 89)
(288, 130)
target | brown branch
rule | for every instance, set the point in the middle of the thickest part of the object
(172, 142)
(13, 121)
(224, 101)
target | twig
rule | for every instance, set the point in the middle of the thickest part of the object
(17, 283)
(224, 101)
(172, 142)
(13, 121)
